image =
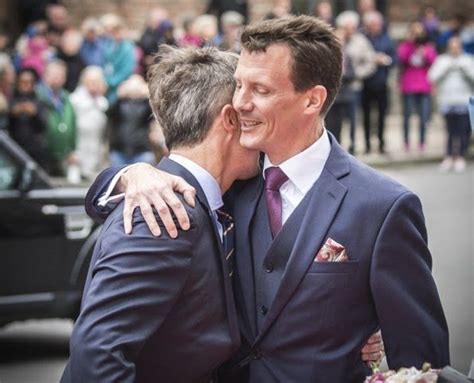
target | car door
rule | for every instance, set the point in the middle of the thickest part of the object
(41, 233)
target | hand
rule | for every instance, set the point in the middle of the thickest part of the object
(72, 159)
(147, 187)
(373, 351)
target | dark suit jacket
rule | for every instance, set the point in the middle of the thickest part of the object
(321, 314)
(155, 309)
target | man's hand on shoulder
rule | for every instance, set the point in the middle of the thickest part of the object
(148, 188)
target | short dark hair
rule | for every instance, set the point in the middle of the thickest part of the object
(188, 89)
(316, 51)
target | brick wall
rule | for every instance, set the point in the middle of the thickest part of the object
(135, 11)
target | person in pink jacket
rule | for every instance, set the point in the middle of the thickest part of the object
(415, 55)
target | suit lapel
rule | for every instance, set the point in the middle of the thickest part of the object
(172, 167)
(244, 211)
(309, 223)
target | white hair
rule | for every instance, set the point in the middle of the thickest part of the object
(347, 18)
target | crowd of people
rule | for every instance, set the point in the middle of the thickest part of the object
(77, 97)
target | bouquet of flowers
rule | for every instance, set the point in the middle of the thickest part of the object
(404, 375)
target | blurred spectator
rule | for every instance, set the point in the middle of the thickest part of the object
(90, 107)
(190, 37)
(323, 10)
(129, 124)
(453, 75)
(153, 35)
(119, 56)
(36, 50)
(229, 38)
(415, 55)
(206, 28)
(4, 43)
(25, 124)
(362, 56)
(459, 25)
(93, 44)
(365, 6)
(343, 104)
(7, 80)
(219, 7)
(59, 118)
(375, 88)
(430, 21)
(57, 17)
(282, 8)
(71, 42)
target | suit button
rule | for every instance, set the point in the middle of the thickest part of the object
(256, 354)
(264, 309)
(269, 267)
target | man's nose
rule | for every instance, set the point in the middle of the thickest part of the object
(242, 101)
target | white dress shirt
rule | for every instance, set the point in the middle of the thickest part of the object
(302, 170)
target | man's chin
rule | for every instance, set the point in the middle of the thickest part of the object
(249, 141)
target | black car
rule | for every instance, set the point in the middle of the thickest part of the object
(46, 240)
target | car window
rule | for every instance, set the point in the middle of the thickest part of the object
(9, 171)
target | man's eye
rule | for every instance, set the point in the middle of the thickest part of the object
(262, 91)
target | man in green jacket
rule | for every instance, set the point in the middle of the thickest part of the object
(59, 118)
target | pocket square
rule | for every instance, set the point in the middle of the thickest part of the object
(331, 252)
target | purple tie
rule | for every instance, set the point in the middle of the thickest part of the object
(274, 178)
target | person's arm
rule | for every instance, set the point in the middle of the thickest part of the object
(408, 307)
(429, 54)
(440, 68)
(148, 188)
(404, 52)
(98, 212)
(364, 60)
(134, 284)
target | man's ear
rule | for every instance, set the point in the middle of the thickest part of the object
(316, 96)
(229, 118)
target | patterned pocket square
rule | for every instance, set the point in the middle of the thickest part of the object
(331, 252)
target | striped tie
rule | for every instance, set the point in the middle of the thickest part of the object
(227, 223)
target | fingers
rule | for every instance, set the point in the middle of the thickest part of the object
(374, 347)
(166, 218)
(178, 209)
(189, 196)
(373, 357)
(127, 217)
(182, 187)
(374, 351)
(375, 338)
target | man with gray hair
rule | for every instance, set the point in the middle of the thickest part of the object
(151, 305)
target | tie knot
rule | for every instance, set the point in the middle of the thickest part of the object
(274, 178)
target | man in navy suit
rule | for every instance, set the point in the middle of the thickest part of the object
(327, 249)
(163, 309)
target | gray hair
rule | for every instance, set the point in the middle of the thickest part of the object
(188, 89)
(347, 17)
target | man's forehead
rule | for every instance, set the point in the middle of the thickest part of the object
(275, 56)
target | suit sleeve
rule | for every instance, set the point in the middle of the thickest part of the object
(408, 307)
(97, 189)
(134, 283)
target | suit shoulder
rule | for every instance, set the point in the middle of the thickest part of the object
(372, 189)
(374, 181)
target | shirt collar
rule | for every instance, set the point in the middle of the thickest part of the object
(207, 182)
(296, 167)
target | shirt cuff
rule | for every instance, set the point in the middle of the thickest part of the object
(107, 200)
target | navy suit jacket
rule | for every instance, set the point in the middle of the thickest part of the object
(155, 309)
(321, 314)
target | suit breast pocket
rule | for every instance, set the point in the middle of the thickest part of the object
(348, 267)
